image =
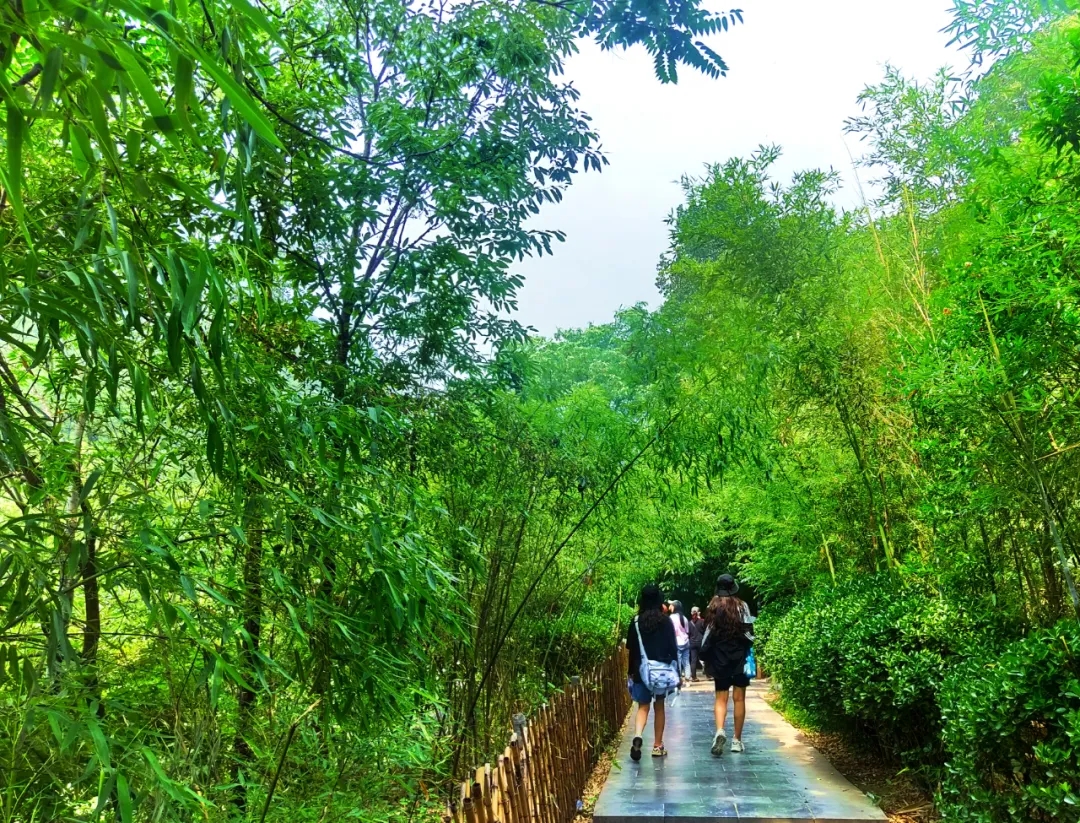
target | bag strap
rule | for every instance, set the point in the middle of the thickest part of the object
(641, 643)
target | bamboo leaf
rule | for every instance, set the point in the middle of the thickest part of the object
(114, 229)
(143, 85)
(164, 781)
(174, 340)
(240, 100)
(184, 81)
(123, 797)
(81, 152)
(49, 74)
(88, 485)
(101, 745)
(132, 288)
(100, 122)
(20, 216)
(256, 15)
(16, 133)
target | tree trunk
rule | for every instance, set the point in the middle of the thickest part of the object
(66, 527)
(92, 607)
(247, 696)
(876, 529)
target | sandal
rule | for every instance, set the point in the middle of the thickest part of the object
(659, 751)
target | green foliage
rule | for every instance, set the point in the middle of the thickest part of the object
(992, 28)
(872, 654)
(272, 517)
(668, 31)
(241, 244)
(1011, 724)
(904, 495)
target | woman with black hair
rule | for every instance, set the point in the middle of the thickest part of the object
(726, 645)
(653, 660)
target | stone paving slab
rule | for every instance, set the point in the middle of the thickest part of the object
(778, 778)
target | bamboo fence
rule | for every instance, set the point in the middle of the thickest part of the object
(541, 775)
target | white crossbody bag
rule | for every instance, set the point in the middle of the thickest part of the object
(658, 678)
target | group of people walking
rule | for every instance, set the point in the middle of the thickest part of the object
(666, 648)
(689, 634)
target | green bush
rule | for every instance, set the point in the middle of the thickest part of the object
(1012, 732)
(998, 725)
(872, 655)
(571, 644)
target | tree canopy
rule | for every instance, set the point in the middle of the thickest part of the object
(295, 515)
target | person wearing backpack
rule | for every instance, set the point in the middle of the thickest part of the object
(727, 642)
(653, 674)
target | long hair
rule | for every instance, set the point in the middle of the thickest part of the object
(727, 616)
(650, 607)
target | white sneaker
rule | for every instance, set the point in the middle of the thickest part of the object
(737, 747)
(718, 743)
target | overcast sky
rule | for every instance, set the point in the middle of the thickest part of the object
(796, 68)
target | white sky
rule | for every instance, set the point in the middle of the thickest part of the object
(796, 68)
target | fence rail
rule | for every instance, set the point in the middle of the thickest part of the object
(541, 775)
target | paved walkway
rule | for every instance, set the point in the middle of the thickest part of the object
(778, 778)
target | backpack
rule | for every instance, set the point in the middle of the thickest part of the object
(705, 655)
(659, 678)
(750, 669)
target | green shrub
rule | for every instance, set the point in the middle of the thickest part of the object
(872, 655)
(1012, 732)
(571, 644)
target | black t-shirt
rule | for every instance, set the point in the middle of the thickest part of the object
(659, 643)
(697, 631)
(727, 651)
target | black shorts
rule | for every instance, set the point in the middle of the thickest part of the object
(731, 676)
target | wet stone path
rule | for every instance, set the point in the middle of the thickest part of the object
(777, 778)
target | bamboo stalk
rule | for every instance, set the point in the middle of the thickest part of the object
(479, 807)
(491, 807)
(543, 771)
(467, 810)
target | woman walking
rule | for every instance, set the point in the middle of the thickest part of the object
(653, 659)
(682, 637)
(726, 645)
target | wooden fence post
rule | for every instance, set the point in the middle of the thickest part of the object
(541, 775)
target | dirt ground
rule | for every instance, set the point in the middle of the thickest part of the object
(596, 782)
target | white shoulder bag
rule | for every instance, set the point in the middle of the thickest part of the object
(658, 678)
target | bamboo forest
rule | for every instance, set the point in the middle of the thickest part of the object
(296, 515)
